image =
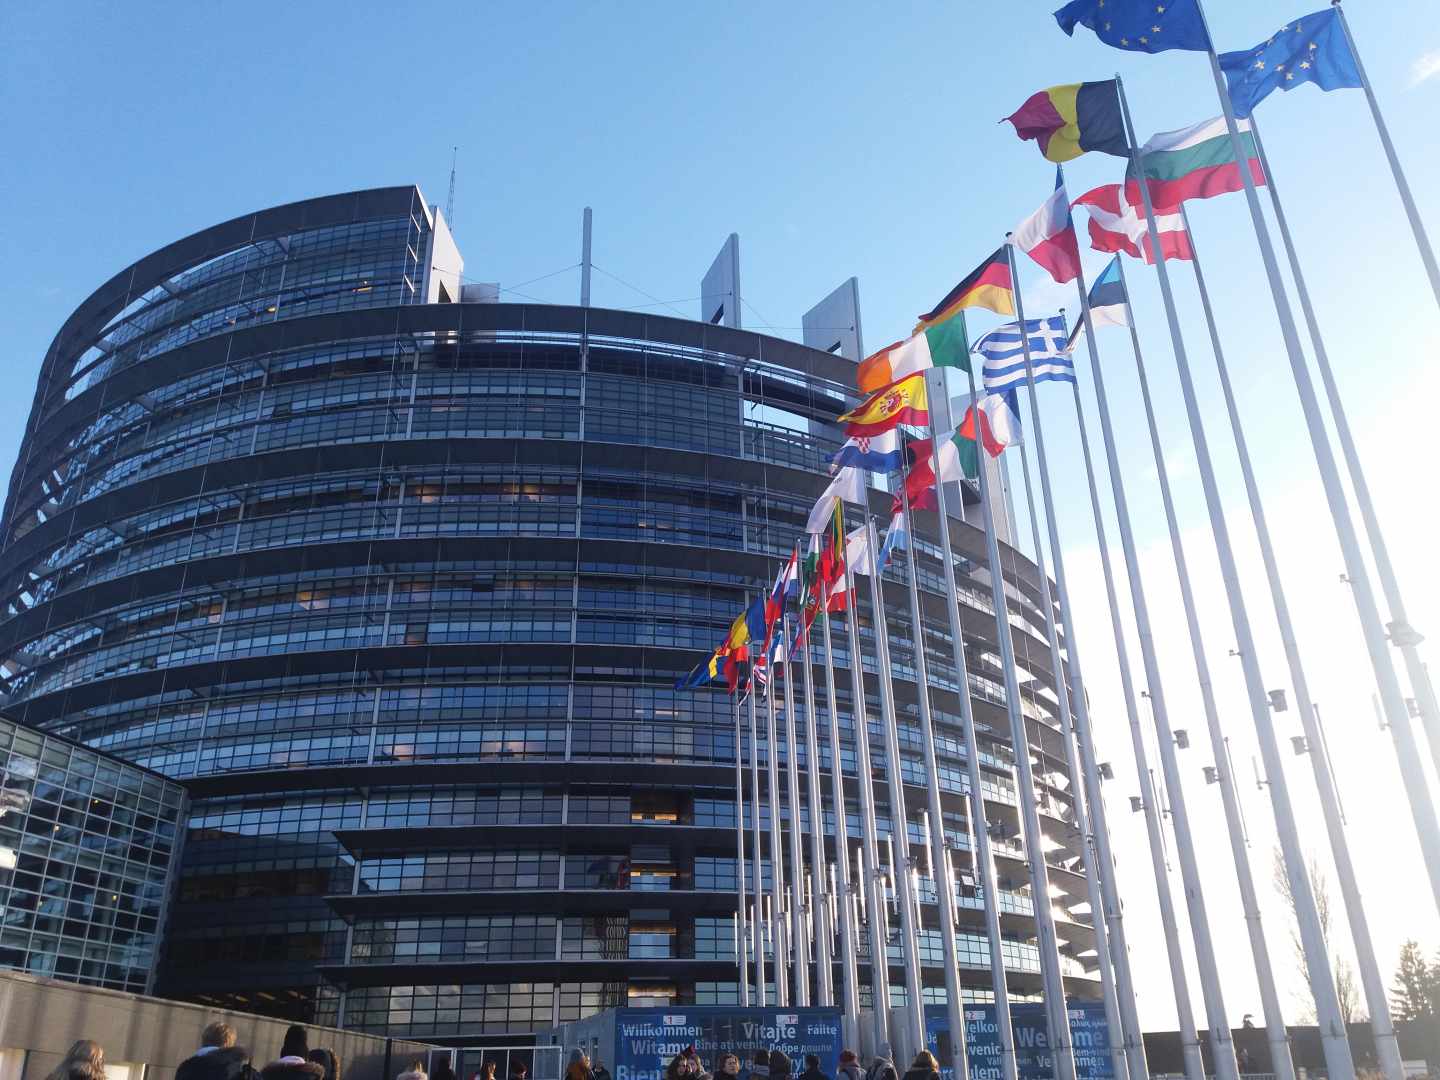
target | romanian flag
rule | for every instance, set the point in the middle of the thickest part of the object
(903, 402)
(942, 344)
(987, 286)
(1067, 121)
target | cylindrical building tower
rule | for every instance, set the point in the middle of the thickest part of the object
(399, 585)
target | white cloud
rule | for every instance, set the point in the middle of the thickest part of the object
(1426, 66)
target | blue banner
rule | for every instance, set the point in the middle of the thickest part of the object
(1033, 1059)
(646, 1039)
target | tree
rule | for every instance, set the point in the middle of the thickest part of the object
(1347, 985)
(1413, 997)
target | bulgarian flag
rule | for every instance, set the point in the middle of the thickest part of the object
(901, 402)
(1197, 162)
(942, 344)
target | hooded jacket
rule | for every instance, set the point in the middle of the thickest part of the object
(293, 1068)
(221, 1063)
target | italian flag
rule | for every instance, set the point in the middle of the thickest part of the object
(999, 427)
(1197, 162)
(941, 345)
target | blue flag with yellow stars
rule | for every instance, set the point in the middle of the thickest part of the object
(1312, 49)
(1153, 26)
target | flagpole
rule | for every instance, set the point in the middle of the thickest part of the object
(1282, 1063)
(879, 932)
(1422, 241)
(849, 989)
(899, 816)
(1169, 919)
(777, 844)
(1402, 634)
(1058, 1012)
(981, 856)
(1118, 1038)
(1103, 860)
(1386, 1047)
(939, 856)
(1357, 574)
(757, 943)
(741, 945)
(799, 946)
(822, 937)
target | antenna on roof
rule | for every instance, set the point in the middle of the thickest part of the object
(450, 200)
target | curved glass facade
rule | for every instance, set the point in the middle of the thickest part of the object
(400, 590)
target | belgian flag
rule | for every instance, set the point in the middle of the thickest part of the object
(1067, 121)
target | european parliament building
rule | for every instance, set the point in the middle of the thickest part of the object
(397, 579)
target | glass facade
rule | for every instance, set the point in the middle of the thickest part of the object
(400, 591)
(88, 849)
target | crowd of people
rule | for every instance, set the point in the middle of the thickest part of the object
(219, 1058)
(768, 1065)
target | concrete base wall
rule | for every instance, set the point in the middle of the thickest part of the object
(40, 1019)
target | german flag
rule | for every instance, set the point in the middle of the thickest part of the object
(903, 402)
(987, 286)
(1067, 121)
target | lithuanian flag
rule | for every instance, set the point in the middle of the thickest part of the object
(903, 402)
(1067, 121)
(987, 286)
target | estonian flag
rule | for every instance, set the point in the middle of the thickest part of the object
(1109, 306)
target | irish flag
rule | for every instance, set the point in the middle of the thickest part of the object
(940, 345)
(1197, 162)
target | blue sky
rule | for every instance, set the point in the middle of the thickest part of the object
(836, 139)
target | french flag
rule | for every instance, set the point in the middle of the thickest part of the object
(1048, 237)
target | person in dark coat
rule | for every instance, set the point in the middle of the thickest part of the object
(780, 1066)
(294, 1062)
(601, 1072)
(760, 1066)
(812, 1069)
(924, 1067)
(218, 1057)
(442, 1071)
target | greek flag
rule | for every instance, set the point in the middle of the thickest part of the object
(1005, 359)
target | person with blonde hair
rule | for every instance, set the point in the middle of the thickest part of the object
(415, 1072)
(85, 1061)
(925, 1067)
(218, 1057)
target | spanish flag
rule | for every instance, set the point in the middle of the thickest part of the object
(903, 402)
(1067, 121)
(987, 286)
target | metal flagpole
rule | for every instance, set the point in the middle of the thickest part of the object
(757, 944)
(777, 845)
(981, 856)
(1060, 1040)
(741, 945)
(1280, 1055)
(1118, 1038)
(1386, 1048)
(1189, 1040)
(799, 946)
(865, 775)
(820, 922)
(1336, 1045)
(1357, 574)
(914, 1034)
(1402, 634)
(939, 857)
(849, 988)
(1427, 253)
(1109, 912)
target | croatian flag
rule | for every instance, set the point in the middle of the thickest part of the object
(1048, 237)
(1004, 355)
(876, 453)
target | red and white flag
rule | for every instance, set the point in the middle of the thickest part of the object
(1118, 225)
(1048, 237)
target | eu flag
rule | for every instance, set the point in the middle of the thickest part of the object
(1151, 26)
(1312, 49)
